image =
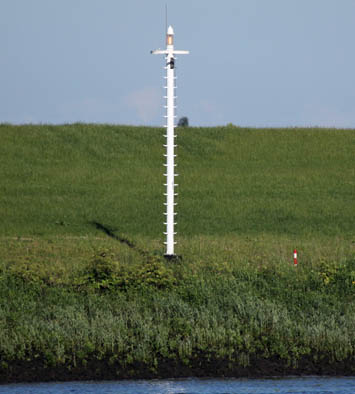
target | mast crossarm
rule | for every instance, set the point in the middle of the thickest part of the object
(165, 52)
(159, 52)
(177, 52)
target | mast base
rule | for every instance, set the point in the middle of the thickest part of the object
(172, 257)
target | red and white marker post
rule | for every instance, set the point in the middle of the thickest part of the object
(295, 261)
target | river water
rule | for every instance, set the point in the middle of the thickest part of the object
(309, 385)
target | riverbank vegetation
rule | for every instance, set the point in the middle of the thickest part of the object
(86, 293)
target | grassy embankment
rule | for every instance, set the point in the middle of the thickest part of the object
(78, 303)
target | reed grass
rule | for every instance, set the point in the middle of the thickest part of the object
(243, 318)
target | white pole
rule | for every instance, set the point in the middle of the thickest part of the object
(170, 154)
(170, 139)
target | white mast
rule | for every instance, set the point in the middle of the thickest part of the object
(170, 138)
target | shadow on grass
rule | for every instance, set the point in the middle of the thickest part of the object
(123, 240)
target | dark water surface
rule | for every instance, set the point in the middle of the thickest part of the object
(196, 386)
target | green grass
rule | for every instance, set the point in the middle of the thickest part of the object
(76, 303)
(55, 180)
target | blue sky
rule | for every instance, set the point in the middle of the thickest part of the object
(252, 62)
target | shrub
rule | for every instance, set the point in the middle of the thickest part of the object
(154, 272)
(339, 275)
(105, 273)
(36, 272)
(183, 122)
